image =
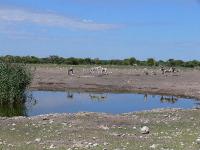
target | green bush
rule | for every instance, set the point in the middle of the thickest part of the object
(14, 79)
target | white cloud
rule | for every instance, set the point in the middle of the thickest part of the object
(51, 19)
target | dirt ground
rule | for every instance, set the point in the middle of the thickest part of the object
(185, 83)
(168, 130)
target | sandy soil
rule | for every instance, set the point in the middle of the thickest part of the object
(184, 83)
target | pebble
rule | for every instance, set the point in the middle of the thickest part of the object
(144, 130)
(51, 121)
(198, 141)
(52, 146)
(105, 143)
(38, 140)
(12, 129)
(153, 146)
(95, 144)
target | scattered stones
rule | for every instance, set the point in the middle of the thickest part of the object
(144, 130)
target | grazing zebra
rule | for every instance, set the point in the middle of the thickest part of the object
(98, 70)
(70, 71)
(170, 70)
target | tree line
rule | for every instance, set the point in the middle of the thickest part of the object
(88, 61)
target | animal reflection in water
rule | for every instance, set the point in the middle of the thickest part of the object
(98, 97)
(146, 97)
(95, 97)
(164, 99)
(168, 99)
(70, 95)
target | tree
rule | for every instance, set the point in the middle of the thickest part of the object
(151, 62)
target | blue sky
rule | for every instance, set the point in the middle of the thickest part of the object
(106, 29)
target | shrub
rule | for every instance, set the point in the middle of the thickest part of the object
(14, 79)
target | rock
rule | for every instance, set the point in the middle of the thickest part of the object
(105, 143)
(144, 130)
(51, 121)
(95, 144)
(52, 146)
(64, 124)
(103, 127)
(153, 146)
(38, 140)
(198, 141)
(94, 138)
(29, 142)
(12, 129)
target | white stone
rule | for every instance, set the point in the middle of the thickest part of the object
(52, 146)
(38, 140)
(198, 141)
(144, 130)
(153, 146)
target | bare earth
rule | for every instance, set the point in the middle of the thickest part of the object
(184, 83)
(172, 129)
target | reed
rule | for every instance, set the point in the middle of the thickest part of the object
(14, 79)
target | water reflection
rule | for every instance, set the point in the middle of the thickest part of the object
(45, 102)
(98, 97)
(168, 99)
(18, 109)
(163, 99)
(70, 95)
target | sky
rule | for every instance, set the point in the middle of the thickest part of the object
(105, 29)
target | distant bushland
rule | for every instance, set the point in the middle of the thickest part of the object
(88, 61)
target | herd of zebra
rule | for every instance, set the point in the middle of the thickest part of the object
(99, 70)
(94, 71)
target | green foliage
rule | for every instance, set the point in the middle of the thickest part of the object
(14, 79)
(151, 62)
(88, 61)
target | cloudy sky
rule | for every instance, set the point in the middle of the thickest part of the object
(104, 29)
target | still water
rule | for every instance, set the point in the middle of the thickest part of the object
(45, 102)
(60, 102)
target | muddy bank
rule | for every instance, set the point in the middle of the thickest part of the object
(185, 83)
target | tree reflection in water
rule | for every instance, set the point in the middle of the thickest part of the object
(18, 109)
